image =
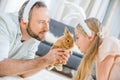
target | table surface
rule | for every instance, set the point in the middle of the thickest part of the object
(49, 75)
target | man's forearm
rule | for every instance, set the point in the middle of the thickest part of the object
(29, 73)
(10, 67)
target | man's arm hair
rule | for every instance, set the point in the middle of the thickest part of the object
(9, 67)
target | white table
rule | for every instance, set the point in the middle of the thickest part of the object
(42, 75)
(48, 75)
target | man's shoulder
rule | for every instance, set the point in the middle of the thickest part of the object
(7, 16)
(4, 15)
(9, 22)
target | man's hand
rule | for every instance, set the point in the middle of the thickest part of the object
(57, 56)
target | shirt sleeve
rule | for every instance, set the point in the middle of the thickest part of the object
(4, 40)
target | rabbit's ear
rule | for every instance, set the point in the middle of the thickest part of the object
(66, 31)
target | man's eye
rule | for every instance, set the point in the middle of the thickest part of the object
(41, 21)
(44, 22)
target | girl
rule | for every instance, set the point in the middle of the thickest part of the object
(105, 52)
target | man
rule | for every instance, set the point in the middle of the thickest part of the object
(19, 39)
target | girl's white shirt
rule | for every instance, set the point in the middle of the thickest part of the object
(110, 46)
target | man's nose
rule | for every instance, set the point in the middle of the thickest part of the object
(46, 26)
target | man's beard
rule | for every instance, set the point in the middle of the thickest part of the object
(32, 34)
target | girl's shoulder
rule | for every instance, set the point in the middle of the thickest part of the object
(110, 43)
(109, 46)
(111, 40)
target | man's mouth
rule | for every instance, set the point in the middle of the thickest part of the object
(43, 32)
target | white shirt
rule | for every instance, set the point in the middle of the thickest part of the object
(110, 46)
(10, 39)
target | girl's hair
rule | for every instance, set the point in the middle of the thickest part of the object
(85, 66)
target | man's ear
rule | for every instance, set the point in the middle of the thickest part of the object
(23, 24)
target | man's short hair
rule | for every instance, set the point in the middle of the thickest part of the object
(37, 5)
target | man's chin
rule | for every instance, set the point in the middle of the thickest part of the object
(41, 39)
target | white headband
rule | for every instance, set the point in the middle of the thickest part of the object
(27, 9)
(85, 27)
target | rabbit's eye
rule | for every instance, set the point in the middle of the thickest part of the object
(67, 40)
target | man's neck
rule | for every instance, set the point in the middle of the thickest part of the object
(24, 34)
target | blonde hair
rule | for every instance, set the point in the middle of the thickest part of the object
(85, 66)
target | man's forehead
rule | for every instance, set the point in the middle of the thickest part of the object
(41, 13)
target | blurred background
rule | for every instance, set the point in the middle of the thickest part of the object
(68, 11)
